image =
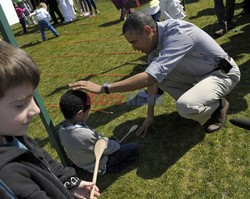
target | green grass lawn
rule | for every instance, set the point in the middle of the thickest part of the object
(177, 160)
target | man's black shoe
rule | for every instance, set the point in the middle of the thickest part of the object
(218, 118)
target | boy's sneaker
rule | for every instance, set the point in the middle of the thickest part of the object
(97, 12)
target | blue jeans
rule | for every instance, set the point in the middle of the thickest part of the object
(44, 24)
(122, 158)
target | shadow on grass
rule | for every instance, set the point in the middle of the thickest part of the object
(32, 29)
(31, 44)
(236, 97)
(204, 12)
(159, 150)
(165, 145)
(133, 102)
(34, 43)
(111, 23)
(138, 68)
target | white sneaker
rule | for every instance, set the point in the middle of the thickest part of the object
(86, 14)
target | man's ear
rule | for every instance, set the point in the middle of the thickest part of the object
(147, 29)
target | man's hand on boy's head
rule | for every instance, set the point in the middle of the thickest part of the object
(87, 86)
(84, 189)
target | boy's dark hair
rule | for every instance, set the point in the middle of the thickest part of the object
(16, 68)
(72, 102)
(136, 22)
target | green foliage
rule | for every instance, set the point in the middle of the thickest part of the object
(177, 159)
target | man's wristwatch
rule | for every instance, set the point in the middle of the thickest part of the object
(106, 88)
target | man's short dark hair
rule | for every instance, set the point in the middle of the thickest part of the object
(136, 21)
(72, 102)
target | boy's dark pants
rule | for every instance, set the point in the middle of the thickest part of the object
(122, 158)
(23, 23)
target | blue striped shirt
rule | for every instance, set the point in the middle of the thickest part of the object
(184, 47)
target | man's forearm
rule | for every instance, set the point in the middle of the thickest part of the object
(152, 92)
(135, 82)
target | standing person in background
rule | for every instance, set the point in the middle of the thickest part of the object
(19, 3)
(68, 10)
(28, 9)
(21, 16)
(83, 8)
(225, 14)
(172, 9)
(119, 4)
(53, 8)
(148, 7)
(43, 18)
(28, 6)
(34, 3)
(169, 9)
(90, 4)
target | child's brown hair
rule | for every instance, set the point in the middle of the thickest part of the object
(16, 68)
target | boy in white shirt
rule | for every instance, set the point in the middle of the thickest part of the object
(43, 18)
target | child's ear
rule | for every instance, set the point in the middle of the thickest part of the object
(79, 113)
(147, 29)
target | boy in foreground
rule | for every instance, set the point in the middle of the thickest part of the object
(79, 140)
(25, 168)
